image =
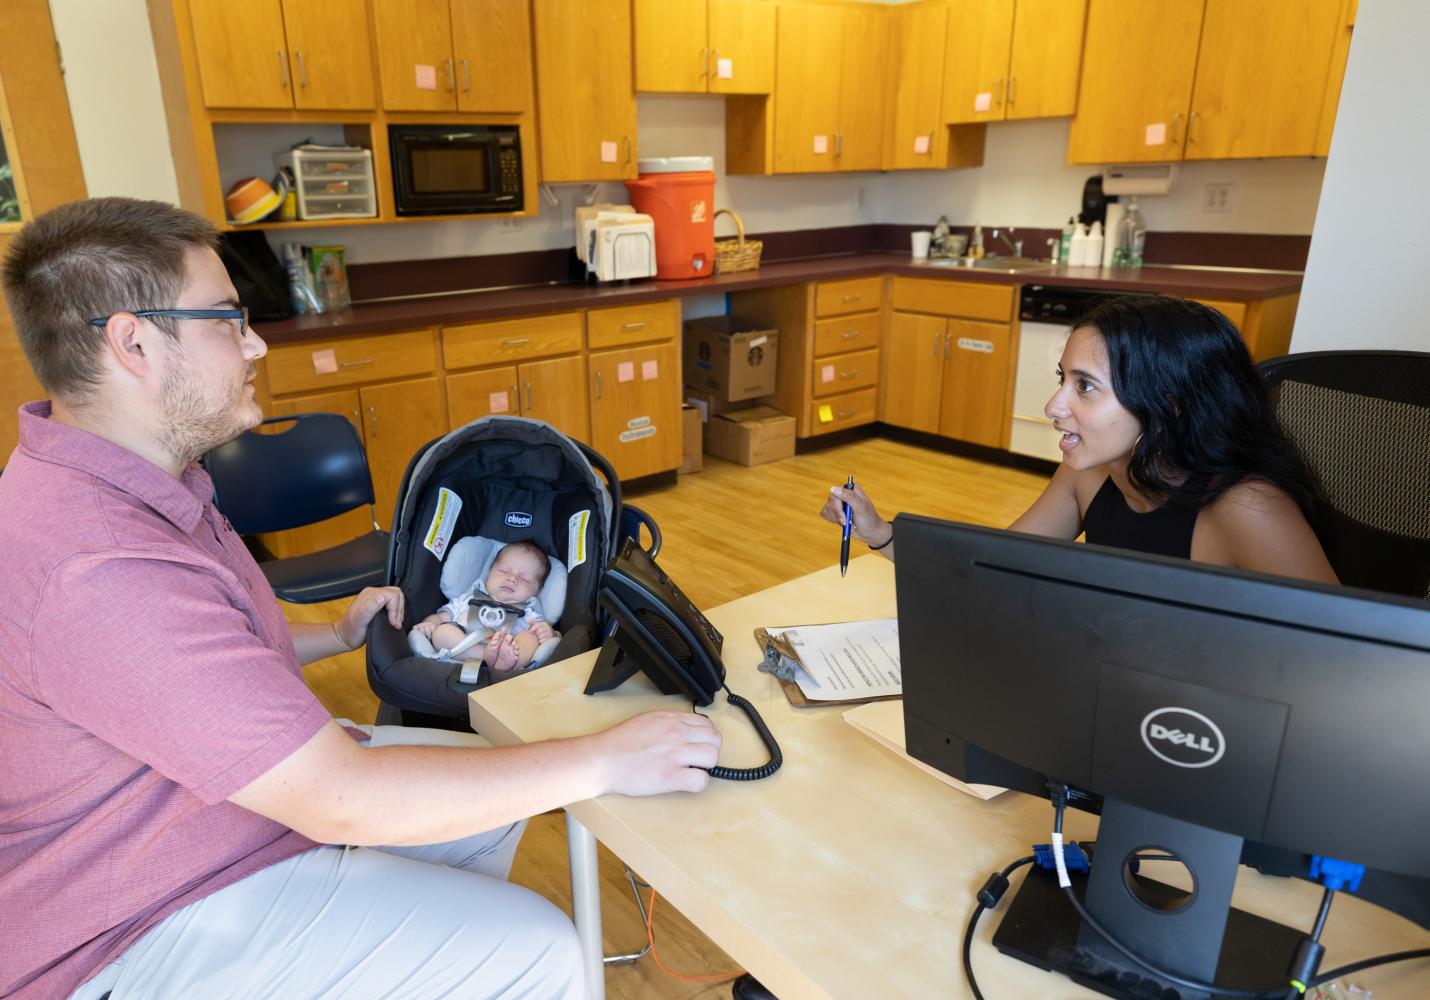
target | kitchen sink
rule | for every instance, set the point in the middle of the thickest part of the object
(1010, 265)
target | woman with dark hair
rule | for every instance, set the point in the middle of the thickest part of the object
(1169, 446)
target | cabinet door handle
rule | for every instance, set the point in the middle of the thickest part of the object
(355, 364)
(851, 298)
(705, 63)
(998, 92)
(451, 76)
(628, 149)
(527, 408)
(845, 414)
(838, 143)
(849, 335)
(947, 344)
(849, 374)
(372, 416)
(598, 385)
(357, 420)
(516, 342)
(936, 338)
(1012, 81)
(302, 71)
(1176, 118)
(634, 326)
(283, 67)
(515, 404)
(466, 76)
(1190, 122)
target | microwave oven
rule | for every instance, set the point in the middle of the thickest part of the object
(455, 169)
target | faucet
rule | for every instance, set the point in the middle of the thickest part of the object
(1015, 245)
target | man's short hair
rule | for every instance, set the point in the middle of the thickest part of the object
(88, 259)
(526, 545)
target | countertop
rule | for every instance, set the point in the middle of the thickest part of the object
(498, 303)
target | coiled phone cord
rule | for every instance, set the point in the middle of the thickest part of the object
(750, 773)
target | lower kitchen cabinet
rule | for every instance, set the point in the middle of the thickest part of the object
(913, 386)
(397, 419)
(552, 390)
(635, 408)
(977, 359)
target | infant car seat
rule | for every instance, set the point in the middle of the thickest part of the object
(506, 479)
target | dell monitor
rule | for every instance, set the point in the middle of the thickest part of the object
(1200, 708)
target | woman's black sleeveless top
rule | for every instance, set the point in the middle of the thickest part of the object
(1165, 531)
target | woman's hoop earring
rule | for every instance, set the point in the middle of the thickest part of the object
(1137, 442)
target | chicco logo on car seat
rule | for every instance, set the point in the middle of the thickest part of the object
(517, 519)
(1183, 737)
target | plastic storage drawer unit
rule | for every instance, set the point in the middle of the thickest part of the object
(332, 183)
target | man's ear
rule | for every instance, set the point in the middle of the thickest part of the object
(131, 343)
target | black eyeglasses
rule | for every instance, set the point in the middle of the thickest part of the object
(239, 314)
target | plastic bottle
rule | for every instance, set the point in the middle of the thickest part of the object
(1066, 249)
(1077, 252)
(975, 245)
(1134, 235)
(1094, 246)
(300, 289)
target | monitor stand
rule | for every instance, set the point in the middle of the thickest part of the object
(1209, 941)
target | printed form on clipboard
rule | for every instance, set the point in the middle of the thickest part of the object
(839, 663)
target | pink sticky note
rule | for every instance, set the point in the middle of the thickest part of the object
(1157, 134)
(821, 145)
(325, 362)
(498, 402)
(921, 145)
(649, 370)
(983, 101)
(608, 152)
(826, 373)
(426, 77)
(725, 69)
(626, 371)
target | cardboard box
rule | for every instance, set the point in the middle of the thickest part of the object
(751, 437)
(692, 439)
(732, 358)
(711, 405)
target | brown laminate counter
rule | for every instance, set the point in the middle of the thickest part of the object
(468, 307)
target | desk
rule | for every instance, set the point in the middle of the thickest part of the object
(850, 873)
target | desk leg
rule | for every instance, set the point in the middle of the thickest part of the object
(586, 904)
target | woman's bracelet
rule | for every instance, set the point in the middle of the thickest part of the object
(885, 543)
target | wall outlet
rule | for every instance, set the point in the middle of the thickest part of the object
(1217, 197)
(509, 226)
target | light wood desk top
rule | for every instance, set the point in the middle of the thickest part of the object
(850, 873)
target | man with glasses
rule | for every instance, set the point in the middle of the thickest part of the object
(166, 783)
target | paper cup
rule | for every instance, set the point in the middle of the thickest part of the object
(921, 243)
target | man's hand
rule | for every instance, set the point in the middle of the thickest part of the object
(658, 752)
(351, 628)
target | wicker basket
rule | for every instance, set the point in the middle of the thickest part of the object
(738, 254)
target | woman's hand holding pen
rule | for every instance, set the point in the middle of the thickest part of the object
(869, 527)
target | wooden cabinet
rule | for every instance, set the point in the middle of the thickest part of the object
(310, 54)
(1008, 60)
(918, 138)
(635, 408)
(397, 419)
(584, 90)
(437, 55)
(705, 46)
(949, 362)
(1206, 79)
(530, 381)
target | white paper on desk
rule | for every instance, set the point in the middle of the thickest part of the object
(848, 660)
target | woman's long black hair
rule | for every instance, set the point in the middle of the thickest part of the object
(1184, 372)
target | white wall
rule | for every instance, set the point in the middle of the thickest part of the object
(112, 79)
(1367, 262)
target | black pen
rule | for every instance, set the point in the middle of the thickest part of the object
(844, 541)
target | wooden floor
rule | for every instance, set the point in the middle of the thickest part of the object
(728, 531)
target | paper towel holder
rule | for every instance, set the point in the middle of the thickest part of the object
(1143, 179)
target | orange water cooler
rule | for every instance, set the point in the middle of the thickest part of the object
(678, 193)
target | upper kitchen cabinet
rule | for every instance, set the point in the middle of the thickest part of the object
(1012, 59)
(1206, 79)
(918, 137)
(584, 94)
(280, 54)
(454, 55)
(705, 46)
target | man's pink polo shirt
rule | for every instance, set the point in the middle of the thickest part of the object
(146, 673)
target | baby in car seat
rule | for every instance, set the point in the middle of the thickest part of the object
(498, 621)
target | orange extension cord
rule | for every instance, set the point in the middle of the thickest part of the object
(650, 939)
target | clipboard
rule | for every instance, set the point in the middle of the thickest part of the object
(792, 690)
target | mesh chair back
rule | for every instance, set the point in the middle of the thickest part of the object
(308, 472)
(1362, 421)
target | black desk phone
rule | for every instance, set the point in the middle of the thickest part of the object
(660, 632)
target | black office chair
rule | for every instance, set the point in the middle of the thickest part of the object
(1362, 421)
(314, 470)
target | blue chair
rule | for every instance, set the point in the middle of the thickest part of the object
(314, 470)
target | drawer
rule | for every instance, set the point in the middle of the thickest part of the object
(1234, 311)
(845, 372)
(632, 324)
(508, 340)
(349, 360)
(850, 409)
(968, 299)
(847, 333)
(836, 298)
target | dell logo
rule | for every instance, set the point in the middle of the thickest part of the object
(517, 519)
(1183, 737)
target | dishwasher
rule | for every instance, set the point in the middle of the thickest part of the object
(1046, 314)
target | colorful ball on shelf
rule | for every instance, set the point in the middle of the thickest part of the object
(251, 200)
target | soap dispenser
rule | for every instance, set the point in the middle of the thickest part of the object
(1066, 249)
(1094, 246)
(1077, 252)
(975, 245)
